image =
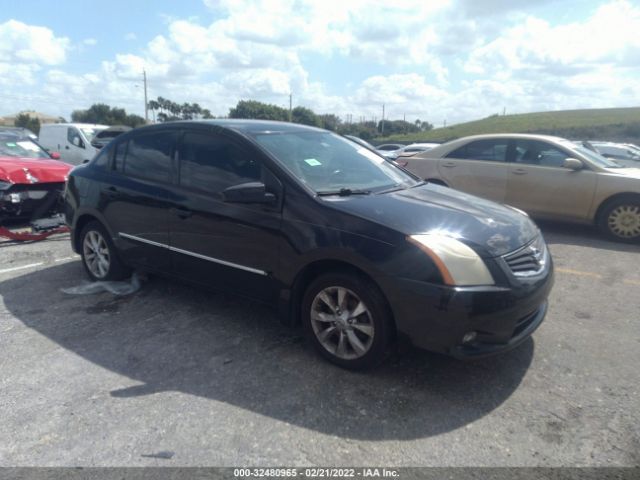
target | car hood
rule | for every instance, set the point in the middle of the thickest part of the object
(627, 172)
(490, 228)
(33, 170)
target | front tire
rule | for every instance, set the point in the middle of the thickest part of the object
(347, 319)
(99, 256)
(620, 220)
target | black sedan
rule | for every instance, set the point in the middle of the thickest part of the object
(356, 249)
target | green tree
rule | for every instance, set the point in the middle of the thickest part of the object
(305, 116)
(258, 110)
(104, 114)
(330, 121)
(24, 120)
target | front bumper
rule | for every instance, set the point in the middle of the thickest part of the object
(22, 201)
(436, 318)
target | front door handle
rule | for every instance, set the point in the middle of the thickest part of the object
(110, 192)
(449, 164)
(519, 171)
(181, 212)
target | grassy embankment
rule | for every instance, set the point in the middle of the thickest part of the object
(614, 124)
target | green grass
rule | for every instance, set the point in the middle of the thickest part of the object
(602, 124)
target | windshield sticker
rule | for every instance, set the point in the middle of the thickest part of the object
(10, 144)
(312, 161)
(29, 146)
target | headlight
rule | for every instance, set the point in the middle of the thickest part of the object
(458, 264)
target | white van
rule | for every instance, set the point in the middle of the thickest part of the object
(71, 140)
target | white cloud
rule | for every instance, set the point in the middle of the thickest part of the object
(28, 44)
(436, 60)
(609, 36)
(130, 36)
(90, 41)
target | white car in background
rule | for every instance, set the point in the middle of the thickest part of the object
(411, 150)
(624, 154)
(71, 140)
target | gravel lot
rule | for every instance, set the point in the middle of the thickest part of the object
(174, 376)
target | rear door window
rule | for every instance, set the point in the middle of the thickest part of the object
(148, 156)
(488, 150)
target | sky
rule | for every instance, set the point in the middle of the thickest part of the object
(441, 61)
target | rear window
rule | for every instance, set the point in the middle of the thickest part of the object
(147, 156)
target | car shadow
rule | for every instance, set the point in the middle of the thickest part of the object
(582, 236)
(172, 337)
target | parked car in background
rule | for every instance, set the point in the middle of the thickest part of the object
(72, 140)
(360, 141)
(623, 154)
(31, 180)
(411, 150)
(388, 150)
(336, 237)
(389, 147)
(103, 137)
(548, 177)
(19, 131)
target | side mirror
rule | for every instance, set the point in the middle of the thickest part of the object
(573, 164)
(251, 192)
(55, 155)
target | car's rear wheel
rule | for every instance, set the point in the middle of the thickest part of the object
(99, 256)
(347, 319)
(620, 220)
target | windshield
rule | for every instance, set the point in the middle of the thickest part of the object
(594, 157)
(89, 133)
(329, 163)
(22, 147)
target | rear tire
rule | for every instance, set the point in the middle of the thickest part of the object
(347, 319)
(99, 256)
(619, 219)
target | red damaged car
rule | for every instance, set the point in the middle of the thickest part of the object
(31, 180)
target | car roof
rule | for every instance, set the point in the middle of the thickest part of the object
(529, 136)
(245, 126)
(451, 145)
(79, 125)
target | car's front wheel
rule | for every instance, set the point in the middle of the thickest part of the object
(347, 319)
(620, 219)
(99, 255)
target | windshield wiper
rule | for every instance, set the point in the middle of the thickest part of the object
(344, 192)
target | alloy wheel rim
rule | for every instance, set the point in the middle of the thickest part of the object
(624, 221)
(96, 254)
(342, 323)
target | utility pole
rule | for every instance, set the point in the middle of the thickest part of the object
(146, 104)
(290, 105)
(382, 122)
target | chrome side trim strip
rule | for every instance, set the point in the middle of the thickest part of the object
(193, 254)
(143, 240)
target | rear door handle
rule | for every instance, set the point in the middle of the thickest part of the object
(449, 164)
(181, 212)
(519, 171)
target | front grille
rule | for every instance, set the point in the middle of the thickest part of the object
(529, 260)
